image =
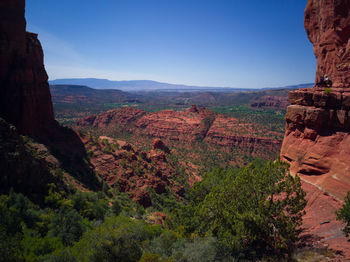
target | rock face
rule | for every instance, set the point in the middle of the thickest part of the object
(20, 168)
(317, 138)
(25, 99)
(327, 24)
(320, 227)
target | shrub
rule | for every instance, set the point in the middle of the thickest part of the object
(89, 205)
(67, 226)
(344, 214)
(253, 211)
(328, 90)
(116, 207)
(117, 239)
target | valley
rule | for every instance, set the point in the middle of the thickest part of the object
(224, 129)
(139, 170)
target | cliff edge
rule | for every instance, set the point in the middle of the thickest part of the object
(317, 137)
(25, 99)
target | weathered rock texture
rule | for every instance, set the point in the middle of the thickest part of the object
(327, 24)
(320, 228)
(317, 138)
(25, 99)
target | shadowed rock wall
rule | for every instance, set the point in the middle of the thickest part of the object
(25, 99)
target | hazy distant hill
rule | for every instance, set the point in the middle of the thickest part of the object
(76, 93)
(135, 85)
(147, 85)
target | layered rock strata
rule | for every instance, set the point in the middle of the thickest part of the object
(25, 99)
(317, 138)
(195, 124)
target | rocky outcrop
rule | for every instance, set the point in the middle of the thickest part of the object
(230, 132)
(131, 170)
(317, 138)
(21, 167)
(327, 24)
(158, 144)
(190, 125)
(124, 117)
(274, 102)
(196, 124)
(25, 99)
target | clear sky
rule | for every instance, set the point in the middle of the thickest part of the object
(236, 43)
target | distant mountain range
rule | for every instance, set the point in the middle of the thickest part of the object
(135, 85)
(149, 85)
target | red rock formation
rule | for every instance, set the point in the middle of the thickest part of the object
(181, 126)
(317, 138)
(194, 124)
(25, 99)
(320, 227)
(278, 102)
(158, 144)
(120, 117)
(193, 109)
(327, 24)
(228, 131)
(131, 170)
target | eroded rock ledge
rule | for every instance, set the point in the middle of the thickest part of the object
(317, 138)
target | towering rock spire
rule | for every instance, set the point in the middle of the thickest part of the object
(25, 99)
(317, 138)
(327, 23)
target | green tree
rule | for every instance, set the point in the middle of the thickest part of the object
(117, 239)
(89, 205)
(256, 212)
(344, 214)
(68, 226)
(116, 207)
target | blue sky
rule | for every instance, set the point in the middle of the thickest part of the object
(236, 43)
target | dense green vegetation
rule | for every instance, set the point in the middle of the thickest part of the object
(240, 213)
(253, 211)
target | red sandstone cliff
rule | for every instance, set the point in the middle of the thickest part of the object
(327, 24)
(25, 99)
(317, 138)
